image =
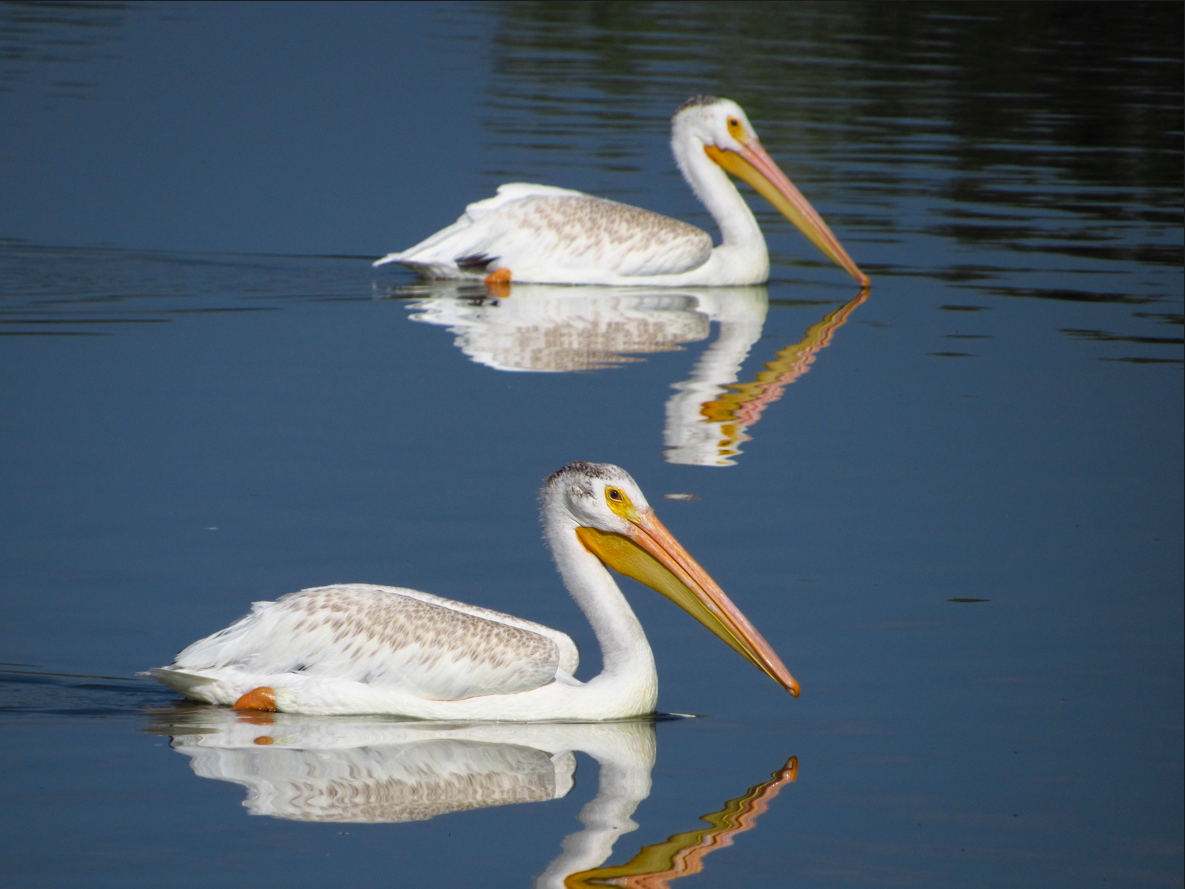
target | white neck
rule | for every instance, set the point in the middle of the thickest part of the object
(628, 662)
(742, 246)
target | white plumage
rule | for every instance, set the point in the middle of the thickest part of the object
(387, 636)
(358, 648)
(540, 234)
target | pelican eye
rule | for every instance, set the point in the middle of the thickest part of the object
(618, 501)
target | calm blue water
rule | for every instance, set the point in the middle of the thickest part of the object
(954, 508)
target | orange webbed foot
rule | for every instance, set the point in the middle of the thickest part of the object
(262, 698)
(498, 283)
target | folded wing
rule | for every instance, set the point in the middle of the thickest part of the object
(389, 637)
(546, 234)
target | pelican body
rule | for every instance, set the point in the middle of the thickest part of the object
(358, 648)
(544, 235)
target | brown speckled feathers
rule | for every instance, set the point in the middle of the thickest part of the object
(386, 637)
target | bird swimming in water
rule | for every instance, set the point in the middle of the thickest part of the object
(545, 235)
(358, 648)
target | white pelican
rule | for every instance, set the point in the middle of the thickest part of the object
(357, 648)
(545, 235)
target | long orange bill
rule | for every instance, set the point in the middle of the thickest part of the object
(650, 554)
(754, 166)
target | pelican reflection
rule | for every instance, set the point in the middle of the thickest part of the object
(707, 418)
(551, 329)
(555, 329)
(376, 769)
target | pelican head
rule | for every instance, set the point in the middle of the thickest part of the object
(720, 128)
(608, 513)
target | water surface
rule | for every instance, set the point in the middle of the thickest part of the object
(954, 506)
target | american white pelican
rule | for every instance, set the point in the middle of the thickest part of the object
(356, 648)
(545, 235)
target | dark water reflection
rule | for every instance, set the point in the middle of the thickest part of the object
(1036, 132)
(1087, 93)
(37, 39)
(961, 528)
